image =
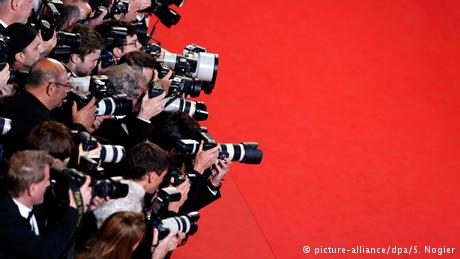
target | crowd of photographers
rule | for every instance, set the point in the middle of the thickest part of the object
(102, 155)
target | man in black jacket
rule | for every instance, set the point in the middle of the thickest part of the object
(46, 87)
(23, 232)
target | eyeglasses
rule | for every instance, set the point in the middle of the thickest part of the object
(61, 84)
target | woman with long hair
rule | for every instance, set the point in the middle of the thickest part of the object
(118, 237)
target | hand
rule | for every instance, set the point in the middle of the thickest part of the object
(205, 158)
(98, 20)
(165, 81)
(221, 168)
(93, 153)
(151, 107)
(96, 202)
(98, 121)
(85, 116)
(160, 249)
(5, 88)
(183, 188)
(46, 47)
(86, 193)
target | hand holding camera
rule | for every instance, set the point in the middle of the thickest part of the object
(84, 116)
(219, 170)
(205, 158)
(151, 107)
(183, 188)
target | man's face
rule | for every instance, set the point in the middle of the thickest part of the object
(132, 44)
(155, 181)
(40, 187)
(24, 10)
(31, 53)
(62, 88)
(88, 63)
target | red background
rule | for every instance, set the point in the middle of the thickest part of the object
(356, 106)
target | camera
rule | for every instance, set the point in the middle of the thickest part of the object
(177, 175)
(102, 187)
(5, 126)
(164, 197)
(168, 17)
(186, 224)
(195, 63)
(140, 29)
(119, 7)
(116, 105)
(50, 18)
(196, 110)
(106, 59)
(245, 152)
(117, 36)
(96, 85)
(68, 39)
(108, 154)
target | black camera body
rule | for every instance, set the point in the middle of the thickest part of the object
(164, 197)
(106, 59)
(117, 36)
(177, 175)
(101, 186)
(50, 18)
(119, 7)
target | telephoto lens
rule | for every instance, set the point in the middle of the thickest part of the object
(186, 224)
(116, 105)
(196, 110)
(245, 152)
(112, 153)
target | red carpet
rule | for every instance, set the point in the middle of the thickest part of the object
(357, 106)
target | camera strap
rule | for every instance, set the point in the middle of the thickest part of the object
(78, 201)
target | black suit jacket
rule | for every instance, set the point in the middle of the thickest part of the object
(25, 111)
(18, 241)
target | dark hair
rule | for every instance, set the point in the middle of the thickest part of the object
(117, 237)
(104, 30)
(53, 137)
(90, 41)
(146, 157)
(138, 59)
(25, 168)
(173, 126)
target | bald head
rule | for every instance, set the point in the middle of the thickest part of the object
(48, 82)
(43, 70)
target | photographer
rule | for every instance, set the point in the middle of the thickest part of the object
(205, 170)
(45, 89)
(84, 58)
(135, 126)
(14, 11)
(122, 43)
(147, 63)
(23, 232)
(23, 47)
(147, 166)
